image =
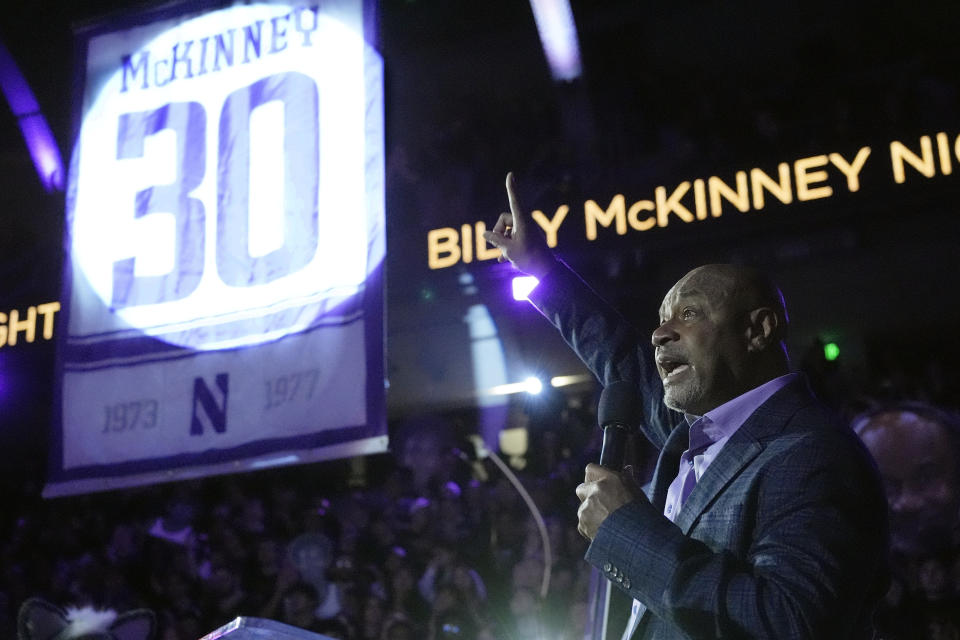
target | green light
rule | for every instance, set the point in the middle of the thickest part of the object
(831, 351)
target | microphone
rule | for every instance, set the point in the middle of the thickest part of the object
(618, 414)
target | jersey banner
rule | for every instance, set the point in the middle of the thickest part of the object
(225, 240)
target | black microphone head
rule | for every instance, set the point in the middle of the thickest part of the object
(619, 404)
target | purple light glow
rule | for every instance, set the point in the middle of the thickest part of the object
(43, 150)
(36, 133)
(558, 35)
(3, 379)
(522, 286)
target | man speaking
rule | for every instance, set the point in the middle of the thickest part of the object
(765, 517)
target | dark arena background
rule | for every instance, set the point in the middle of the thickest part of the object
(819, 141)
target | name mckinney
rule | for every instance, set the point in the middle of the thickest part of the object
(220, 51)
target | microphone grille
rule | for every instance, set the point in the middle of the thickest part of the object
(619, 404)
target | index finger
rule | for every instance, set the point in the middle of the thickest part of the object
(519, 221)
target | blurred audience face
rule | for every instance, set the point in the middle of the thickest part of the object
(463, 580)
(523, 602)
(299, 608)
(268, 557)
(420, 452)
(124, 544)
(399, 631)
(916, 458)
(373, 615)
(445, 601)
(403, 582)
(253, 516)
(223, 581)
(180, 514)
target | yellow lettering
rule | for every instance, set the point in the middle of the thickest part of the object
(3, 329)
(633, 212)
(442, 247)
(617, 210)
(48, 310)
(550, 227)
(900, 153)
(780, 190)
(483, 251)
(739, 198)
(943, 146)
(804, 178)
(851, 171)
(700, 199)
(665, 205)
(28, 326)
(466, 231)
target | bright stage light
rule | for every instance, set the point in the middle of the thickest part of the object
(533, 386)
(565, 381)
(522, 286)
(507, 389)
(558, 35)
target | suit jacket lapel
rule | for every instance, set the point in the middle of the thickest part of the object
(743, 446)
(667, 464)
(729, 462)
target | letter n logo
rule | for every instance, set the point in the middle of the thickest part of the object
(206, 410)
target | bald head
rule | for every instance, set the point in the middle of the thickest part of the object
(915, 447)
(741, 289)
(722, 330)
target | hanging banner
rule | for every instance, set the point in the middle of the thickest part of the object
(225, 241)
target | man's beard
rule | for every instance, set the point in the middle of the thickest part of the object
(684, 396)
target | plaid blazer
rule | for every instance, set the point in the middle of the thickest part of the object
(784, 536)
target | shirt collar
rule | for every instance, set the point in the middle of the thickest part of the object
(721, 422)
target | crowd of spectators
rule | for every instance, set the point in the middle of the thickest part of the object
(361, 549)
(426, 541)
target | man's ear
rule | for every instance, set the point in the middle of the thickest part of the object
(761, 329)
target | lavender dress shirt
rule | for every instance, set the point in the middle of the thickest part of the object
(708, 434)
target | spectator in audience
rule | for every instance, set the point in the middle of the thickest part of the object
(374, 615)
(398, 627)
(335, 628)
(176, 525)
(299, 606)
(404, 597)
(198, 582)
(917, 449)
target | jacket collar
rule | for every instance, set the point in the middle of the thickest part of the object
(744, 445)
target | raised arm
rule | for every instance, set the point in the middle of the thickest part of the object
(601, 337)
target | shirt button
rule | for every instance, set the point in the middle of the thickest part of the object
(620, 578)
(626, 583)
(606, 567)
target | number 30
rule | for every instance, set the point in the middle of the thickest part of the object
(235, 266)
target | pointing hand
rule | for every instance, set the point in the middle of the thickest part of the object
(519, 239)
